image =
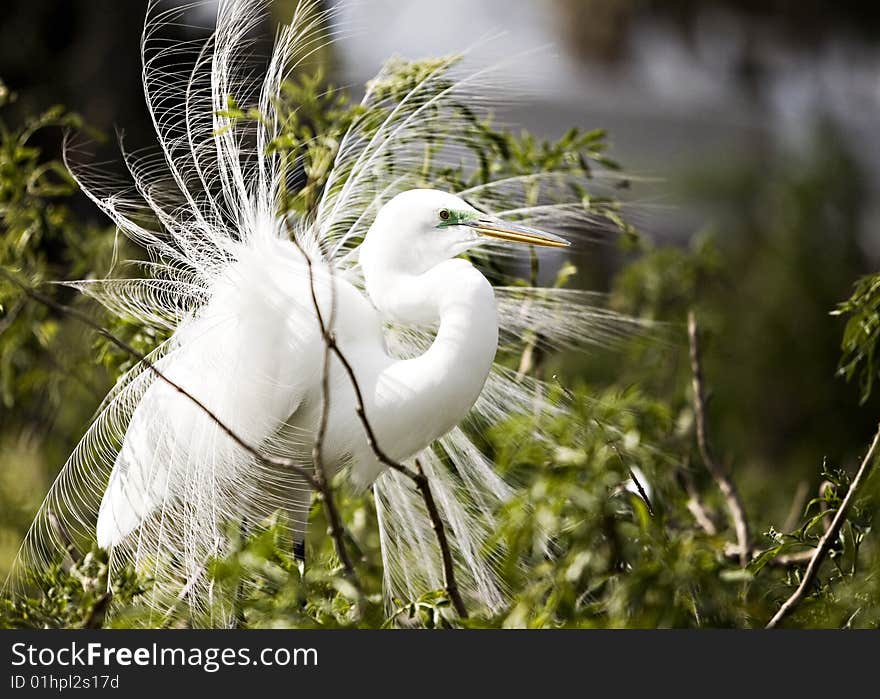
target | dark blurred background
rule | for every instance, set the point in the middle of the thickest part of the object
(755, 123)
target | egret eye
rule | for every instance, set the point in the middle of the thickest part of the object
(444, 214)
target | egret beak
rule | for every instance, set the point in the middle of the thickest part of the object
(515, 232)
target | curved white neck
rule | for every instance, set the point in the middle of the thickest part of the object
(433, 392)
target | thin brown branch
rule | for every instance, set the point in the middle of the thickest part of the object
(793, 559)
(786, 560)
(362, 414)
(418, 477)
(613, 445)
(642, 492)
(695, 504)
(143, 359)
(718, 472)
(424, 486)
(322, 483)
(828, 537)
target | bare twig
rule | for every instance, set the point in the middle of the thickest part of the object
(424, 486)
(719, 473)
(566, 391)
(638, 484)
(786, 560)
(793, 559)
(322, 483)
(418, 477)
(125, 347)
(828, 537)
(238, 619)
(695, 504)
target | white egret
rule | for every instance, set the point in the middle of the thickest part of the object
(154, 477)
(260, 331)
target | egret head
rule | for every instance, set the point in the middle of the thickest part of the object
(420, 228)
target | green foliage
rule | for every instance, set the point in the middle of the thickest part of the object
(577, 545)
(781, 250)
(861, 333)
(74, 595)
(48, 383)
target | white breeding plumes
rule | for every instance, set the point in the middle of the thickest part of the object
(155, 478)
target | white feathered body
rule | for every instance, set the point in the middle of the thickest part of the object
(254, 356)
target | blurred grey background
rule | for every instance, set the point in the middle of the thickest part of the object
(681, 84)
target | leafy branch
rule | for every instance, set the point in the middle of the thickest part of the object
(831, 535)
